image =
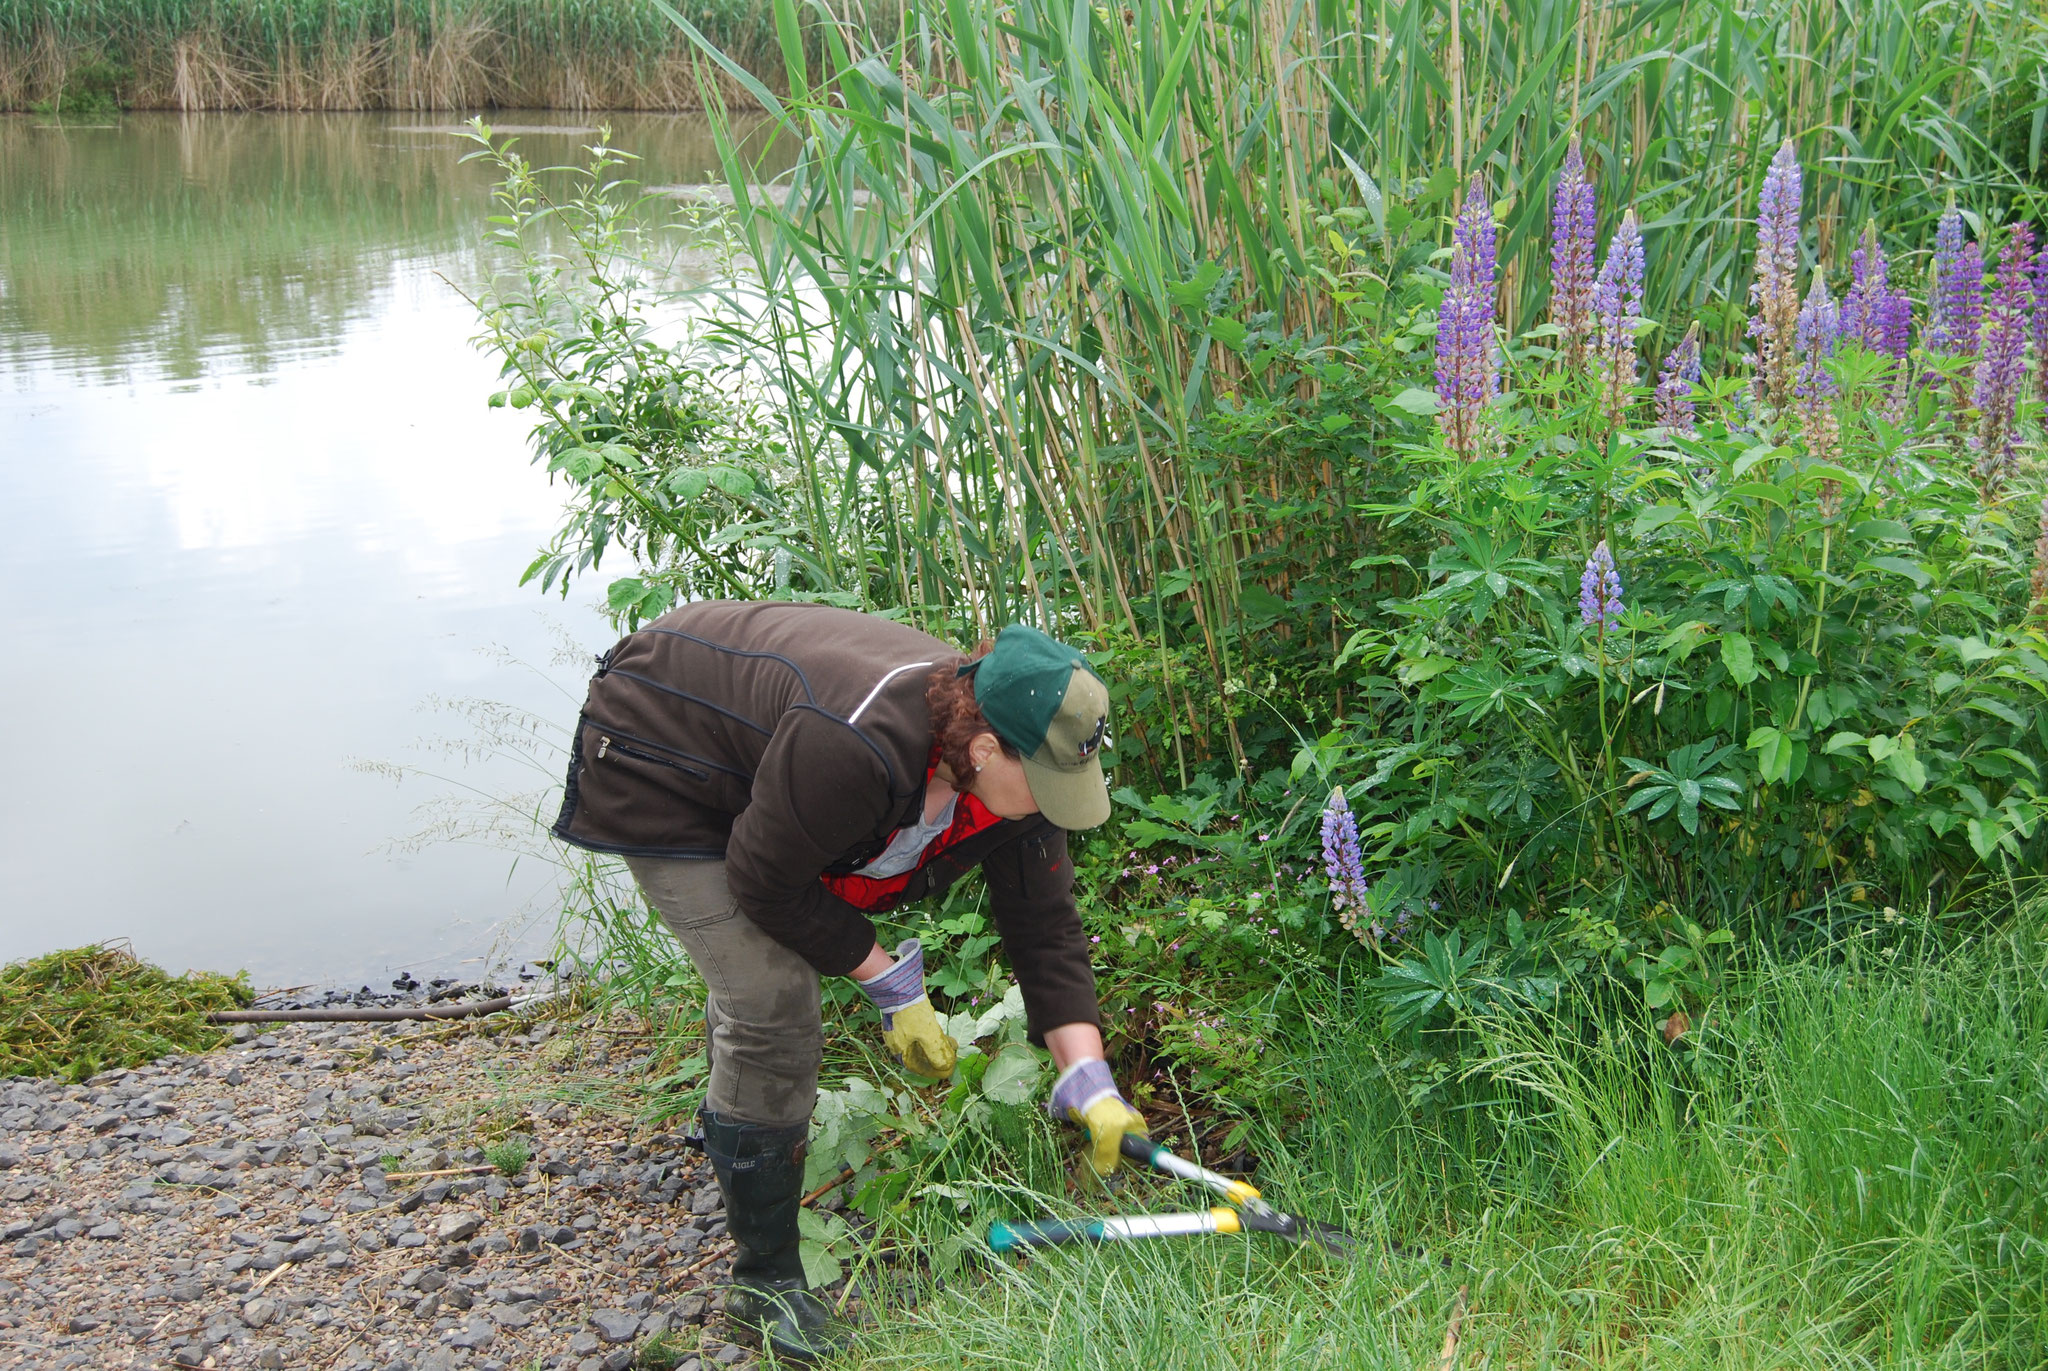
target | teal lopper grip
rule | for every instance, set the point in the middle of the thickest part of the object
(1012, 1237)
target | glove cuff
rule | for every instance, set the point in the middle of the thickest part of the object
(1080, 1086)
(902, 984)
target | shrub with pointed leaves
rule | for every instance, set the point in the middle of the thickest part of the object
(1775, 291)
(2001, 370)
(1466, 381)
(1675, 406)
(1572, 224)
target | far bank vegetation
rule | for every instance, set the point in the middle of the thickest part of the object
(103, 55)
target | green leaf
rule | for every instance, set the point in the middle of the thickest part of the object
(1649, 520)
(1228, 332)
(1983, 835)
(1907, 766)
(1773, 754)
(1739, 657)
(1900, 566)
(1012, 1078)
(1842, 742)
(1415, 400)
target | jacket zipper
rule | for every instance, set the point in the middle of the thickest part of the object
(605, 744)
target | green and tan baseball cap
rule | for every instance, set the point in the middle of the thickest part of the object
(1043, 699)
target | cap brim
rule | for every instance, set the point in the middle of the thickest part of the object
(1075, 799)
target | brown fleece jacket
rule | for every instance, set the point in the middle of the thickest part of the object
(792, 740)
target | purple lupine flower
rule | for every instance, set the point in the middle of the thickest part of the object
(1573, 219)
(1466, 382)
(1874, 312)
(1956, 313)
(1600, 590)
(1675, 383)
(1343, 860)
(2001, 371)
(1775, 289)
(2041, 321)
(1820, 328)
(1617, 309)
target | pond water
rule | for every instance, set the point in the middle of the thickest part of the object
(259, 522)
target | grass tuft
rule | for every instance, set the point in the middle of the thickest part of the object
(83, 1010)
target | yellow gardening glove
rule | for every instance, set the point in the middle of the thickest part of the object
(910, 1028)
(1107, 1120)
(1086, 1093)
(917, 1040)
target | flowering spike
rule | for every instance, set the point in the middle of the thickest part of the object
(1775, 291)
(2001, 371)
(1600, 590)
(2041, 322)
(1344, 863)
(1617, 309)
(1957, 309)
(1675, 383)
(1820, 327)
(1573, 219)
(1874, 312)
(1466, 382)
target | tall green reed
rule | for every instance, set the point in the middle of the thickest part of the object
(1034, 256)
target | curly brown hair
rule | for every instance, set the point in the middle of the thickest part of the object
(957, 719)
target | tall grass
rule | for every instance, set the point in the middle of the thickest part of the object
(1843, 1172)
(366, 54)
(1037, 256)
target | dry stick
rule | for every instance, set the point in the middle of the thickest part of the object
(1449, 1356)
(449, 1171)
(258, 1288)
(699, 1265)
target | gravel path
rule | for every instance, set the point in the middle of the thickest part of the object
(253, 1207)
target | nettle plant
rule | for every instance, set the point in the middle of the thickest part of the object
(1650, 653)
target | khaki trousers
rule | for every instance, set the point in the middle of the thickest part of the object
(763, 1034)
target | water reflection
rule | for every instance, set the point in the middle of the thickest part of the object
(257, 515)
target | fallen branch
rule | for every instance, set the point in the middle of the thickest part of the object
(447, 1171)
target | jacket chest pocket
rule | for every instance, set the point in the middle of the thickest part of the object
(609, 747)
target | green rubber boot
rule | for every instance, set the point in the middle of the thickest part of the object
(761, 1171)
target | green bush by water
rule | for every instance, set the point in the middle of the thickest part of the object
(78, 1012)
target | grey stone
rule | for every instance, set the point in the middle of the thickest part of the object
(271, 1359)
(654, 1325)
(619, 1359)
(82, 1323)
(413, 1240)
(459, 1227)
(428, 1308)
(431, 1280)
(259, 1312)
(187, 1290)
(529, 1239)
(67, 1229)
(727, 1355)
(583, 1343)
(513, 1315)
(109, 1229)
(615, 1325)
(176, 1136)
(690, 1308)
(475, 1335)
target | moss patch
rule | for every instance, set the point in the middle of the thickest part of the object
(85, 1010)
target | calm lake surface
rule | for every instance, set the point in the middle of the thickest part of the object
(258, 523)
